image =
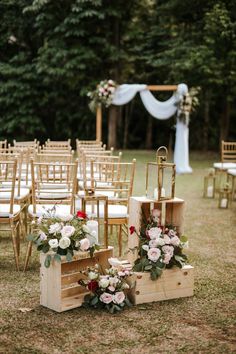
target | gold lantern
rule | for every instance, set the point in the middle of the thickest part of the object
(160, 177)
(225, 197)
(209, 184)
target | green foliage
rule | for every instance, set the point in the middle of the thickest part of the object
(53, 52)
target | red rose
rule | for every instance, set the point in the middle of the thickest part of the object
(132, 230)
(81, 215)
(93, 285)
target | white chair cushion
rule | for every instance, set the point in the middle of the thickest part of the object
(41, 209)
(54, 194)
(24, 192)
(5, 210)
(232, 171)
(114, 211)
(224, 165)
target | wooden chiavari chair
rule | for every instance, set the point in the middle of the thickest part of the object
(114, 180)
(61, 145)
(228, 161)
(9, 210)
(45, 176)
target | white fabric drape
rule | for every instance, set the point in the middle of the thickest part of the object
(161, 110)
(181, 153)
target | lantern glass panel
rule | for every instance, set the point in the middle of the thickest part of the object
(152, 180)
(166, 182)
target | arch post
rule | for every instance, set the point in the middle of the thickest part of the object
(99, 123)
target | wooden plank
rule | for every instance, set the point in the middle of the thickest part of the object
(173, 283)
(71, 291)
(72, 302)
(160, 296)
(71, 278)
(162, 87)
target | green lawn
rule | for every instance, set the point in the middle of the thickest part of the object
(204, 323)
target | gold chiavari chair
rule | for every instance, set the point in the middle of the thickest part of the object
(10, 210)
(114, 180)
(228, 161)
(45, 176)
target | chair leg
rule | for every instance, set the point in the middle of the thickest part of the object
(28, 254)
(18, 234)
(120, 240)
(15, 244)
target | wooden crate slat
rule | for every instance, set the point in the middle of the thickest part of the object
(164, 295)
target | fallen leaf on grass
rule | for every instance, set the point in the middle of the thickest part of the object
(25, 309)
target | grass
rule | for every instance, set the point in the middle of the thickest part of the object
(204, 323)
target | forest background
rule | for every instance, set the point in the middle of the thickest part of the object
(53, 52)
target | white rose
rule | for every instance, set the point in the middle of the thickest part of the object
(160, 242)
(113, 281)
(40, 220)
(54, 228)
(154, 254)
(154, 232)
(67, 231)
(84, 244)
(114, 262)
(64, 242)
(119, 297)
(68, 217)
(86, 229)
(104, 283)
(145, 248)
(175, 241)
(53, 243)
(92, 275)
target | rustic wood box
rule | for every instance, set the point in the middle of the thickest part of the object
(174, 216)
(59, 286)
(173, 283)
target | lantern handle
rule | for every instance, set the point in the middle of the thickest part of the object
(161, 158)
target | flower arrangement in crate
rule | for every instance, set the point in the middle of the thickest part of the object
(103, 94)
(159, 247)
(62, 235)
(108, 291)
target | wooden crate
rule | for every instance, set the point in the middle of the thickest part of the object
(173, 283)
(174, 216)
(59, 286)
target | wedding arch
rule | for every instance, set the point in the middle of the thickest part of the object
(161, 110)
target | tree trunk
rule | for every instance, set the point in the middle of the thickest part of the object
(148, 143)
(112, 124)
(224, 121)
(206, 121)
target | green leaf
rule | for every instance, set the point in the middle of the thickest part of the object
(57, 258)
(183, 238)
(32, 237)
(148, 267)
(47, 261)
(94, 301)
(69, 257)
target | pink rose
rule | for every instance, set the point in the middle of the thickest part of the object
(153, 243)
(168, 249)
(84, 244)
(175, 241)
(154, 232)
(166, 239)
(111, 288)
(154, 254)
(119, 297)
(167, 258)
(106, 298)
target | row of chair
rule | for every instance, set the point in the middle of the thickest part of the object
(34, 179)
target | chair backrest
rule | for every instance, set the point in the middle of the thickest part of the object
(45, 176)
(114, 176)
(56, 144)
(228, 151)
(56, 158)
(21, 144)
(8, 174)
(54, 150)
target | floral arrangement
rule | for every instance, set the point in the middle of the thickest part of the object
(187, 104)
(108, 291)
(103, 94)
(63, 235)
(159, 247)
